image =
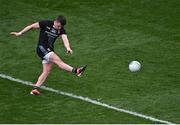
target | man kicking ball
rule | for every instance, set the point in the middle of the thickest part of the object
(49, 32)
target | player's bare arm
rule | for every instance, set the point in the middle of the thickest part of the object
(66, 43)
(26, 29)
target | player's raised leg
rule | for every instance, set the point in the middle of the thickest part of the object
(54, 58)
(46, 71)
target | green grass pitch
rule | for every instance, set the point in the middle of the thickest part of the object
(106, 35)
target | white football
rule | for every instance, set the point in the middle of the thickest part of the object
(134, 66)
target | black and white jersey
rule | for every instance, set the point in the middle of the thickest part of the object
(48, 34)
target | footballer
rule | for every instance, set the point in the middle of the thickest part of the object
(50, 30)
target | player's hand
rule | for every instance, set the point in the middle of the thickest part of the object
(69, 50)
(16, 33)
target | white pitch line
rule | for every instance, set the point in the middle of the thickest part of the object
(86, 99)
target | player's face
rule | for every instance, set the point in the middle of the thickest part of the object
(57, 24)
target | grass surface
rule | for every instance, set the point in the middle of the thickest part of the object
(105, 35)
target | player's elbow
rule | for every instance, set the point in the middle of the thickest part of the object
(34, 26)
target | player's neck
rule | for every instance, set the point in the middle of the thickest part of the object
(56, 27)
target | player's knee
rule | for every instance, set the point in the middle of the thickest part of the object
(46, 72)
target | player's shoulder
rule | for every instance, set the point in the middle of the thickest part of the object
(49, 21)
(46, 22)
(62, 31)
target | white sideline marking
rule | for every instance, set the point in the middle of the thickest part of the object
(86, 99)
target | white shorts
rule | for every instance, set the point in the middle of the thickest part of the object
(46, 58)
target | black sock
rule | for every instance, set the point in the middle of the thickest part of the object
(35, 87)
(74, 70)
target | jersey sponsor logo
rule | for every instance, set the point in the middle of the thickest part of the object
(51, 34)
(53, 30)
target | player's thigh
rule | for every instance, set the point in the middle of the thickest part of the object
(54, 58)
